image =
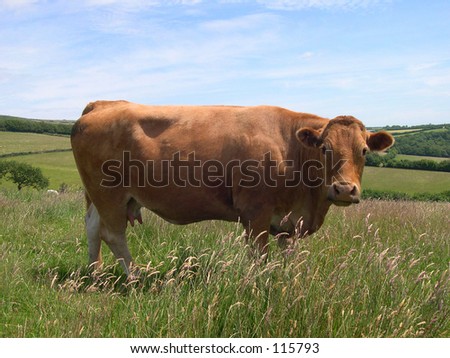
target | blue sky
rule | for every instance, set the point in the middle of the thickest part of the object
(383, 61)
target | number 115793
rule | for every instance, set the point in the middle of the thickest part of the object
(296, 348)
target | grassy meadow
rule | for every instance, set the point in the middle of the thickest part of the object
(13, 142)
(59, 167)
(419, 157)
(377, 269)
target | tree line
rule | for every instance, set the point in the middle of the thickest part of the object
(422, 127)
(15, 124)
(398, 196)
(389, 160)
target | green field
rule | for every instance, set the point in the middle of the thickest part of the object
(377, 269)
(59, 167)
(419, 157)
(31, 142)
(405, 180)
(402, 132)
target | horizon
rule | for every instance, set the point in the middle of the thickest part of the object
(386, 62)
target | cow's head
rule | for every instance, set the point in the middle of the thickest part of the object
(343, 144)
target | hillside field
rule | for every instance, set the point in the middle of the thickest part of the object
(405, 180)
(59, 167)
(419, 157)
(31, 142)
(377, 269)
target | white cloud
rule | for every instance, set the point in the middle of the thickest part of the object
(139, 4)
(321, 4)
(16, 4)
(252, 22)
(422, 66)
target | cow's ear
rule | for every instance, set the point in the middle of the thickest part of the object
(309, 137)
(379, 141)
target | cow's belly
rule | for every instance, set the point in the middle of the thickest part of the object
(188, 206)
(183, 218)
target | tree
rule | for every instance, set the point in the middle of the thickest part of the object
(4, 168)
(23, 174)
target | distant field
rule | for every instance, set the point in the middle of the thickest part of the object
(59, 167)
(420, 157)
(401, 132)
(405, 180)
(31, 142)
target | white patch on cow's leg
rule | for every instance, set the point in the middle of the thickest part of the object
(117, 243)
(93, 236)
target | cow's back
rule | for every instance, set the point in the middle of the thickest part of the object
(213, 132)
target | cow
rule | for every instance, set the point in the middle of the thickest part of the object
(273, 170)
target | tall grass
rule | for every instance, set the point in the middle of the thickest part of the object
(378, 269)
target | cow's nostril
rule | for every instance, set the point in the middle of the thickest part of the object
(354, 190)
(336, 189)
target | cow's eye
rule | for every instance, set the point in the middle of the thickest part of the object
(364, 152)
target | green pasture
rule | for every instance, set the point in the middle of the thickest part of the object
(405, 180)
(402, 132)
(420, 157)
(12, 142)
(376, 269)
(59, 167)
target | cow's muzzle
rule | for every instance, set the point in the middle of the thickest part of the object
(344, 193)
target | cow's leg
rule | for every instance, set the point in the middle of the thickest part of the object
(93, 236)
(116, 240)
(262, 241)
(257, 231)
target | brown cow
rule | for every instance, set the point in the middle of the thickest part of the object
(272, 169)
